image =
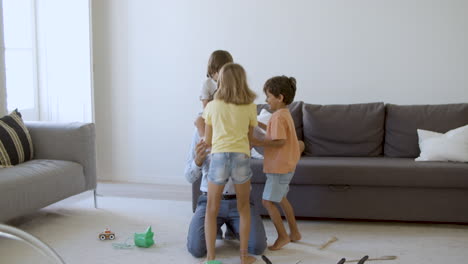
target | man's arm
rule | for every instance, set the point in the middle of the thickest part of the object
(197, 156)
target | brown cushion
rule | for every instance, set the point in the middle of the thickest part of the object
(402, 122)
(353, 130)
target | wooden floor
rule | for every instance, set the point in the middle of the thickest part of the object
(146, 191)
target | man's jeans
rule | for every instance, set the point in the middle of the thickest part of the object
(228, 215)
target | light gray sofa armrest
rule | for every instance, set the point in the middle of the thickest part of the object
(66, 141)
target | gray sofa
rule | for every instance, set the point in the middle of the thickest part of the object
(359, 164)
(64, 164)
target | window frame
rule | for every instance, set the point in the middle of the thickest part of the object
(31, 114)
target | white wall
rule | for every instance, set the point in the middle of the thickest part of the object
(150, 60)
(3, 102)
(64, 60)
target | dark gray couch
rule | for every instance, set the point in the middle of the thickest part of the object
(359, 164)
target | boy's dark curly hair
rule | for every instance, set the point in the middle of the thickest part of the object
(283, 85)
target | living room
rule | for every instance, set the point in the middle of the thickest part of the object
(148, 61)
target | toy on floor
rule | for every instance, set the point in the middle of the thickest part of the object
(145, 239)
(359, 261)
(107, 235)
(267, 261)
(366, 258)
(328, 243)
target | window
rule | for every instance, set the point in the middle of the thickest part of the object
(20, 62)
(48, 59)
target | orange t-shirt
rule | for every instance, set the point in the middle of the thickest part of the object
(283, 159)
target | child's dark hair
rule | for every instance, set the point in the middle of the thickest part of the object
(283, 85)
(217, 60)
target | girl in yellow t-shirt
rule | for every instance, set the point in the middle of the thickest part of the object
(230, 119)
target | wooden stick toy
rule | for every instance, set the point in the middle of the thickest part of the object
(328, 243)
(371, 259)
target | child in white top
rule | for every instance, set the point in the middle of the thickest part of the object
(217, 60)
(208, 89)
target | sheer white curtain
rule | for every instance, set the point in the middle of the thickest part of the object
(3, 106)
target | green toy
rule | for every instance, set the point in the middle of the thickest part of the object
(145, 239)
(213, 262)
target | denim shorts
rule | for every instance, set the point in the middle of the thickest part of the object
(276, 186)
(229, 164)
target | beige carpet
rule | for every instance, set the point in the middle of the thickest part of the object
(71, 228)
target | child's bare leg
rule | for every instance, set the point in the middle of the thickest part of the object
(283, 238)
(243, 206)
(288, 210)
(212, 208)
(200, 125)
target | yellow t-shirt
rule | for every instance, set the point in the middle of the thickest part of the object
(230, 124)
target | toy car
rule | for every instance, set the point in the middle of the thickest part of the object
(107, 234)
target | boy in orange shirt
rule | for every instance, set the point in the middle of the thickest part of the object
(282, 153)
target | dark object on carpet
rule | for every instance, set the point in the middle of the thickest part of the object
(366, 258)
(343, 260)
(267, 261)
(361, 261)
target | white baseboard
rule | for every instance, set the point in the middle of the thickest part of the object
(174, 180)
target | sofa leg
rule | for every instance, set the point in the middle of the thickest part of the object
(95, 199)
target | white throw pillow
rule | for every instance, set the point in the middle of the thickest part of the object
(259, 133)
(255, 155)
(264, 116)
(451, 146)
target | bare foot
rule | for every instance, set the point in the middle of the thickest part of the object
(295, 236)
(247, 259)
(279, 243)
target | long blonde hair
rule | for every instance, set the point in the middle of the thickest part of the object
(232, 85)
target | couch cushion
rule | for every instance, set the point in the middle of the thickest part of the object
(373, 171)
(402, 122)
(295, 108)
(15, 142)
(37, 183)
(354, 130)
